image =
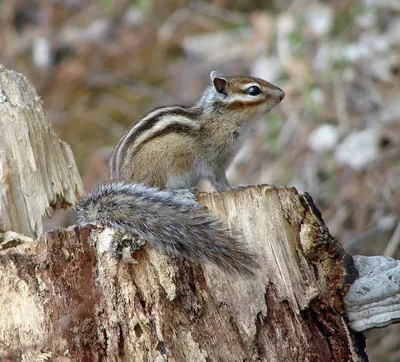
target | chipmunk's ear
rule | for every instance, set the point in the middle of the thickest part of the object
(218, 81)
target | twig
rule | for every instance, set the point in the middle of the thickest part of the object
(340, 103)
(393, 243)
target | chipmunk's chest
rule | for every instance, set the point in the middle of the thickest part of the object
(208, 164)
(220, 153)
(228, 146)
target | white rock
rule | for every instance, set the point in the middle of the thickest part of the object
(358, 149)
(387, 222)
(356, 51)
(41, 53)
(319, 18)
(318, 96)
(287, 23)
(323, 138)
(379, 43)
(205, 45)
(327, 53)
(133, 17)
(97, 30)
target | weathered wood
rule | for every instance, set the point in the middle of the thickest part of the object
(67, 297)
(37, 169)
(63, 297)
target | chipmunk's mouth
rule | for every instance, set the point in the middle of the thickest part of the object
(268, 107)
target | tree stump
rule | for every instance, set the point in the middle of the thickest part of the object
(63, 297)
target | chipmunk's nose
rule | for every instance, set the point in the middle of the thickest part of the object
(281, 93)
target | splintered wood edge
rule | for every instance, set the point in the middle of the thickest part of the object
(309, 249)
(37, 169)
(306, 266)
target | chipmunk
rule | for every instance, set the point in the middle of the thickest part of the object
(170, 150)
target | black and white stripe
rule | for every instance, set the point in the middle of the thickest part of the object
(155, 124)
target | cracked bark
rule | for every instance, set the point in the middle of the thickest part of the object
(63, 297)
(84, 305)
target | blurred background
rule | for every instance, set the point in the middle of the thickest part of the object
(100, 65)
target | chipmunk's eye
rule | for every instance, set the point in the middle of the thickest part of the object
(253, 90)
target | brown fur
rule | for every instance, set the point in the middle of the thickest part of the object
(174, 147)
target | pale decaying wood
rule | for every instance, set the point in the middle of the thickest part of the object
(37, 169)
(373, 300)
(63, 295)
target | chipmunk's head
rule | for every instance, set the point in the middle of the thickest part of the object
(245, 94)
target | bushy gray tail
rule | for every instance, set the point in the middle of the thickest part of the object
(169, 222)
